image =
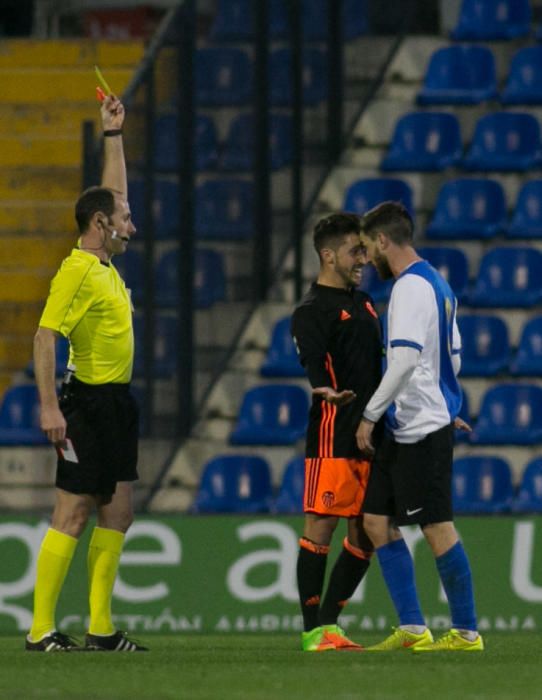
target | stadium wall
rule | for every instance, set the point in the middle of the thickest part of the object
(187, 575)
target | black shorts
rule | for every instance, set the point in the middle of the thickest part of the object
(412, 483)
(103, 427)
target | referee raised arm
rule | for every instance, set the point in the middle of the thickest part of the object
(94, 422)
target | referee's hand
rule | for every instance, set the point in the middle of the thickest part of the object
(53, 424)
(337, 398)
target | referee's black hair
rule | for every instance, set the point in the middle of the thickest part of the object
(92, 200)
(329, 231)
(390, 218)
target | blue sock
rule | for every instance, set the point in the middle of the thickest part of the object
(454, 571)
(398, 571)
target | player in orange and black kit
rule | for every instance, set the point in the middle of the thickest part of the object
(337, 334)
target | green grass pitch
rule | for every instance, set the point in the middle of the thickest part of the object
(269, 667)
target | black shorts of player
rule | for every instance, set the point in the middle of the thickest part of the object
(412, 483)
(103, 427)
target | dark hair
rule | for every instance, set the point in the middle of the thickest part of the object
(330, 230)
(390, 218)
(92, 200)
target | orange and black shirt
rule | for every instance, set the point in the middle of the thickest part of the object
(338, 337)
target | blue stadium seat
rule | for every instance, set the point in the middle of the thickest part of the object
(485, 345)
(482, 484)
(130, 268)
(209, 281)
(529, 496)
(371, 283)
(487, 20)
(505, 141)
(234, 20)
(315, 19)
(424, 141)
(210, 278)
(453, 266)
(508, 277)
(225, 209)
(239, 147)
(165, 206)
(165, 346)
(524, 83)
(527, 219)
(313, 76)
(528, 359)
(62, 351)
(290, 497)
(363, 195)
(19, 417)
(282, 359)
(459, 75)
(511, 414)
(223, 77)
(234, 484)
(272, 414)
(166, 140)
(468, 208)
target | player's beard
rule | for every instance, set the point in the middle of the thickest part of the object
(382, 266)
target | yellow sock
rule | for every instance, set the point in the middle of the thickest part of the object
(103, 561)
(54, 560)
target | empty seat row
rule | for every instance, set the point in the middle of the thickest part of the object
(234, 19)
(431, 141)
(466, 75)
(209, 277)
(235, 154)
(223, 208)
(242, 484)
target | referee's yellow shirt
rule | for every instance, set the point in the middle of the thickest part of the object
(89, 303)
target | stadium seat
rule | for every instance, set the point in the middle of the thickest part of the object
(487, 20)
(234, 20)
(166, 140)
(62, 351)
(19, 417)
(165, 206)
(234, 484)
(453, 266)
(282, 359)
(224, 209)
(482, 484)
(223, 77)
(210, 278)
(524, 83)
(130, 268)
(508, 277)
(468, 208)
(272, 414)
(378, 290)
(313, 77)
(505, 141)
(315, 19)
(165, 346)
(424, 141)
(511, 414)
(529, 496)
(527, 219)
(485, 346)
(363, 195)
(528, 359)
(238, 151)
(290, 497)
(459, 75)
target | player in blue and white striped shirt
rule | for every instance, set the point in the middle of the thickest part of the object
(411, 480)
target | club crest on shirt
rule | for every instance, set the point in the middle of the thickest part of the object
(370, 309)
(328, 498)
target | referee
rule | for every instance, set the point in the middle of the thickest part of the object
(337, 333)
(94, 423)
